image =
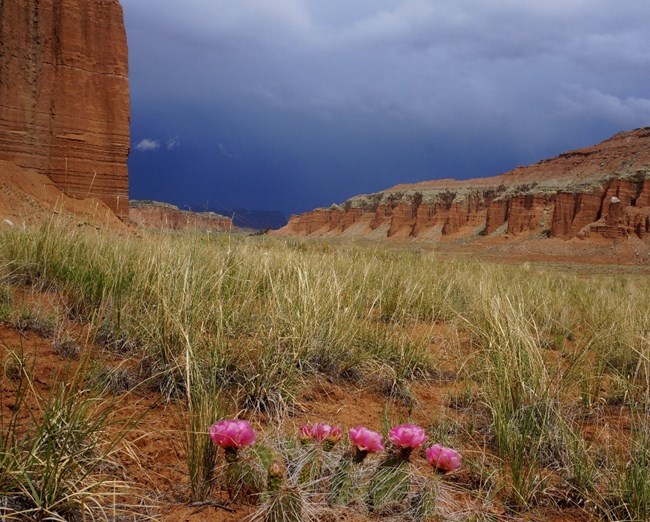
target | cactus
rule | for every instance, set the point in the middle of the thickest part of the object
(390, 483)
(343, 483)
(245, 479)
(392, 480)
(283, 503)
(423, 503)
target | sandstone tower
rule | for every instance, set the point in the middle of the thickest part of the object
(64, 95)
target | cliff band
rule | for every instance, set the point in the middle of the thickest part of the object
(601, 191)
(64, 95)
(154, 214)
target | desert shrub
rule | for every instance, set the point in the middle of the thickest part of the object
(64, 345)
(5, 294)
(267, 381)
(54, 451)
(5, 303)
(27, 319)
(635, 475)
(204, 407)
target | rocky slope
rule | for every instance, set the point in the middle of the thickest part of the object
(154, 214)
(64, 95)
(599, 191)
(29, 197)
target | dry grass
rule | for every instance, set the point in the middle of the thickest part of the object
(541, 357)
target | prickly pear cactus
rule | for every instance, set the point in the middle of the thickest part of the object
(315, 468)
(245, 477)
(390, 483)
(311, 467)
(286, 505)
(423, 503)
(283, 503)
(343, 485)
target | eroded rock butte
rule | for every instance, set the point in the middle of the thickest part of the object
(64, 95)
(564, 197)
(154, 214)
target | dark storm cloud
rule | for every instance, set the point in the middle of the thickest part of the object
(314, 101)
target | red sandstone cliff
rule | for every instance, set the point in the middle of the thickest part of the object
(602, 190)
(64, 95)
(153, 214)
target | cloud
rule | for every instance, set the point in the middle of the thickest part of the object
(409, 53)
(502, 29)
(236, 25)
(223, 151)
(626, 111)
(490, 29)
(308, 88)
(172, 143)
(147, 145)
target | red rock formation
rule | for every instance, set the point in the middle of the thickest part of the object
(403, 218)
(28, 197)
(573, 212)
(153, 214)
(565, 197)
(497, 215)
(526, 213)
(643, 197)
(471, 212)
(64, 95)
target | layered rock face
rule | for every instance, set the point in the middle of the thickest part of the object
(154, 214)
(602, 190)
(64, 95)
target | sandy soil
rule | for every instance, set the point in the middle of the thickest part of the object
(155, 463)
(27, 197)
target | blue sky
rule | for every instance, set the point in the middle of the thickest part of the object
(293, 104)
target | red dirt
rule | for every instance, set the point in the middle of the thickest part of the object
(27, 198)
(157, 466)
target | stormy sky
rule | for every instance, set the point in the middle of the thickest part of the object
(294, 104)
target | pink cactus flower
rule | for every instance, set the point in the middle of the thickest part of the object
(335, 435)
(321, 432)
(444, 459)
(232, 434)
(407, 436)
(365, 439)
(305, 432)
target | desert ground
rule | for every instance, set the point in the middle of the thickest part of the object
(120, 350)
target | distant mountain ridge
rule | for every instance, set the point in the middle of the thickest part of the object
(603, 190)
(156, 214)
(256, 219)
